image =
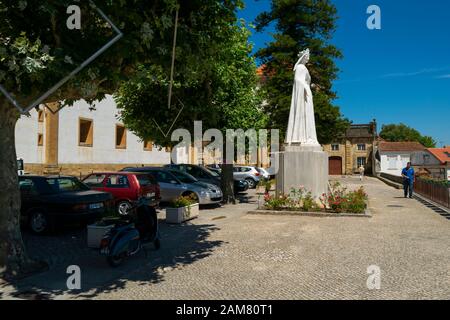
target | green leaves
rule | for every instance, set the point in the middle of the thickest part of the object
(215, 76)
(401, 132)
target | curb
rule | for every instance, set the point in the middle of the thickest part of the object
(366, 214)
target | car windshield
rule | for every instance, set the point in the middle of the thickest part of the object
(213, 173)
(61, 185)
(146, 179)
(183, 177)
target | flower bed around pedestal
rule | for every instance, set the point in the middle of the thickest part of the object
(338, 202)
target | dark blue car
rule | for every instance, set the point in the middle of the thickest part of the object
(48, 201)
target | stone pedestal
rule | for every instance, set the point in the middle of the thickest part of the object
(305, 165)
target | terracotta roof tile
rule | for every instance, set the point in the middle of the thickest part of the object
(400, 146)
(442, 154)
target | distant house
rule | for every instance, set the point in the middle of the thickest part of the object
(393, 156)
(434, 161)
(353, 150)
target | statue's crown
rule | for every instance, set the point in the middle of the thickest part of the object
(303, 53)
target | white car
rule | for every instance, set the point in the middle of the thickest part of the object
(263, 173)
(247, 173)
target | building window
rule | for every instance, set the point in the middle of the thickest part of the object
(335, 147)
(41, 116)
(405, 159)
(121, 137)
(148, 145)
(392, 160)
(86, 133)
(40, 140)
(361, 147)
(361, 161)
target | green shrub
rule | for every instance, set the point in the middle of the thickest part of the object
(277, 203)
(184, 201)
(339, 200)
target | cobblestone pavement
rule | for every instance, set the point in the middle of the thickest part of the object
(226, 254)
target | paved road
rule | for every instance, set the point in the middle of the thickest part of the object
(226, 254)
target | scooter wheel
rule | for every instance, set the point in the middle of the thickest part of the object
(157, 244)
(115, 261)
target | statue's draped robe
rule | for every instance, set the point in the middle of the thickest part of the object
(302, 126)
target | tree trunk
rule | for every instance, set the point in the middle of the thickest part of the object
(227, 183)
(14, 261)
(227, 180)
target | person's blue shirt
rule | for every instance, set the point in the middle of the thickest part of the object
(409, 173)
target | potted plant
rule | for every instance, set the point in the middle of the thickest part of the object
(182, 209)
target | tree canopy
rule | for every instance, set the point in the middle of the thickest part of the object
(402, 132)
(37, 49)
(214, 81)
(301, 24)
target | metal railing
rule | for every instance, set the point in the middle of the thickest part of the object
(432, 190)
(439, 193)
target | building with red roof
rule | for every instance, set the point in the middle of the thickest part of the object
(435, 162)
(394, 156)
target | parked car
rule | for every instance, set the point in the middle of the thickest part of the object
(248, 173)
(47, 201)
(127, 188)
(204, 174)
(271, 171)
(174, 183)
(264, 173)
(214, 167)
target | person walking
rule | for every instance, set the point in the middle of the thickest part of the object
(361, 172)
(409, 178)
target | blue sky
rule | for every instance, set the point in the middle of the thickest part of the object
(400, 73)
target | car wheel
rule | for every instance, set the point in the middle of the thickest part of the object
(115, 261)
(123, 207)
(39, 222)
(157, 244)
(251, 183)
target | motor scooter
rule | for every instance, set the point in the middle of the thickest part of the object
(137, 228)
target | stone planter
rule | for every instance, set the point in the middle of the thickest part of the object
(180, 215)
(96, 233)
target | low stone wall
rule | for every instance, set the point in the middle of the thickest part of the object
(391, 177)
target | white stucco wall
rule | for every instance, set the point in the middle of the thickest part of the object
(103, 150)
(104, 138)
(424, 158)
(395, 168)
(27, 129)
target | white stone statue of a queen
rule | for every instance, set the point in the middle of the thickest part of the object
(302, 126)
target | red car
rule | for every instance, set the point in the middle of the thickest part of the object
(126, 187)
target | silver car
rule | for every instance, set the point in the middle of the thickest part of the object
(174, 183)
(247, 173)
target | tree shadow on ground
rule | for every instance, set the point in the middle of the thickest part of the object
(181, 245)
(246, 198)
